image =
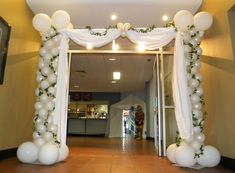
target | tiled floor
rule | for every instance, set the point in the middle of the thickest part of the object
(103, 155)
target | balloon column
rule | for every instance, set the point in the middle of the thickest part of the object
(191, 151)
(46, 147)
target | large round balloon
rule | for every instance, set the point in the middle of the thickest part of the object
(41, 22)
(183, 19)
(170, 152)
(210, 157)
(60, 19)
(63, 152)
(27, 152)
(184, 156)
(203, 21)
(48, 154)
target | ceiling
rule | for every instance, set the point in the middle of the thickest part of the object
(96, 13)
(95, 69)
(93, 72)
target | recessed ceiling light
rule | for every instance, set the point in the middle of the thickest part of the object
(112, 59)
(113, 17)
(113, 81)
(76, 86)
(116, 75)
(89, 46)
(165, 18)
(141, 47)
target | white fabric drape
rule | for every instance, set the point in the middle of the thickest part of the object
(157, 38)
(183, 110)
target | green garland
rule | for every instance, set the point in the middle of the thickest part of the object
(142, 30)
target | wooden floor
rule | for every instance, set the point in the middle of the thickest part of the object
(102, 155)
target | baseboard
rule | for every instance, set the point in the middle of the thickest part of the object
(4, 154)
(150, 138)
(227, 162)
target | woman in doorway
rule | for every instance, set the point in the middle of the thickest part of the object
(139, 122)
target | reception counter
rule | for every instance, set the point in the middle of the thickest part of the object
(86, 126)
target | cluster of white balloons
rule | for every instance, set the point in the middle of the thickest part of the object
(45, 148)
(192, 151)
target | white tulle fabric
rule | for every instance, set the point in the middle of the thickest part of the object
(159, 37)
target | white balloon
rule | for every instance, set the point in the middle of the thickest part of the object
(47, 58)
(196, 130)
(57, 39)
(194, 56)
(27, 152)
(186, 37)
(41, 64)
(54, 51)
(123, 34)
(40, 127)
(41, 22)
(200, 137)
(197, 113)
(52, 128)
(203, 21)
(196, 145)
(50, 105)
(44, 98)
(192, 31)
(194, 83)
(39, 142)
(201, 33)
(39, 120)
(63, 152)
(39, 78)
(197, 64)
(197, 106)
(43, 51)
(47, 136)
(51, 32)
(52, 90)
(48, 154)
(50, 119)
(44, 84)
(199, 50)
(60, 19)
(195, 98)
(55, 64)
(187, 48)
(38, 105)
(170, 152)
(183, 19)
(183, 143)
(210, 157)
(49, 44)
(36, 135)
(184, 156)
(51, 78)
(194, 70)
(198, 76)
(46, 71)
(199, 91)
(193, 43)
(42, 113)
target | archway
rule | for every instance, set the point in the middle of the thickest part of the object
(50, 118)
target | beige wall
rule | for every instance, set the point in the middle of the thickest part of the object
(17, 93)
(218, 71)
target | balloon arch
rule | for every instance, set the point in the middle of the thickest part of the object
(49, 136)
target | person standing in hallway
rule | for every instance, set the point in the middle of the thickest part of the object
(139, 122)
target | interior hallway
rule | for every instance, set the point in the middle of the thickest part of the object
(104, 155)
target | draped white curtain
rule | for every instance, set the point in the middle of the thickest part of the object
(157, 38)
